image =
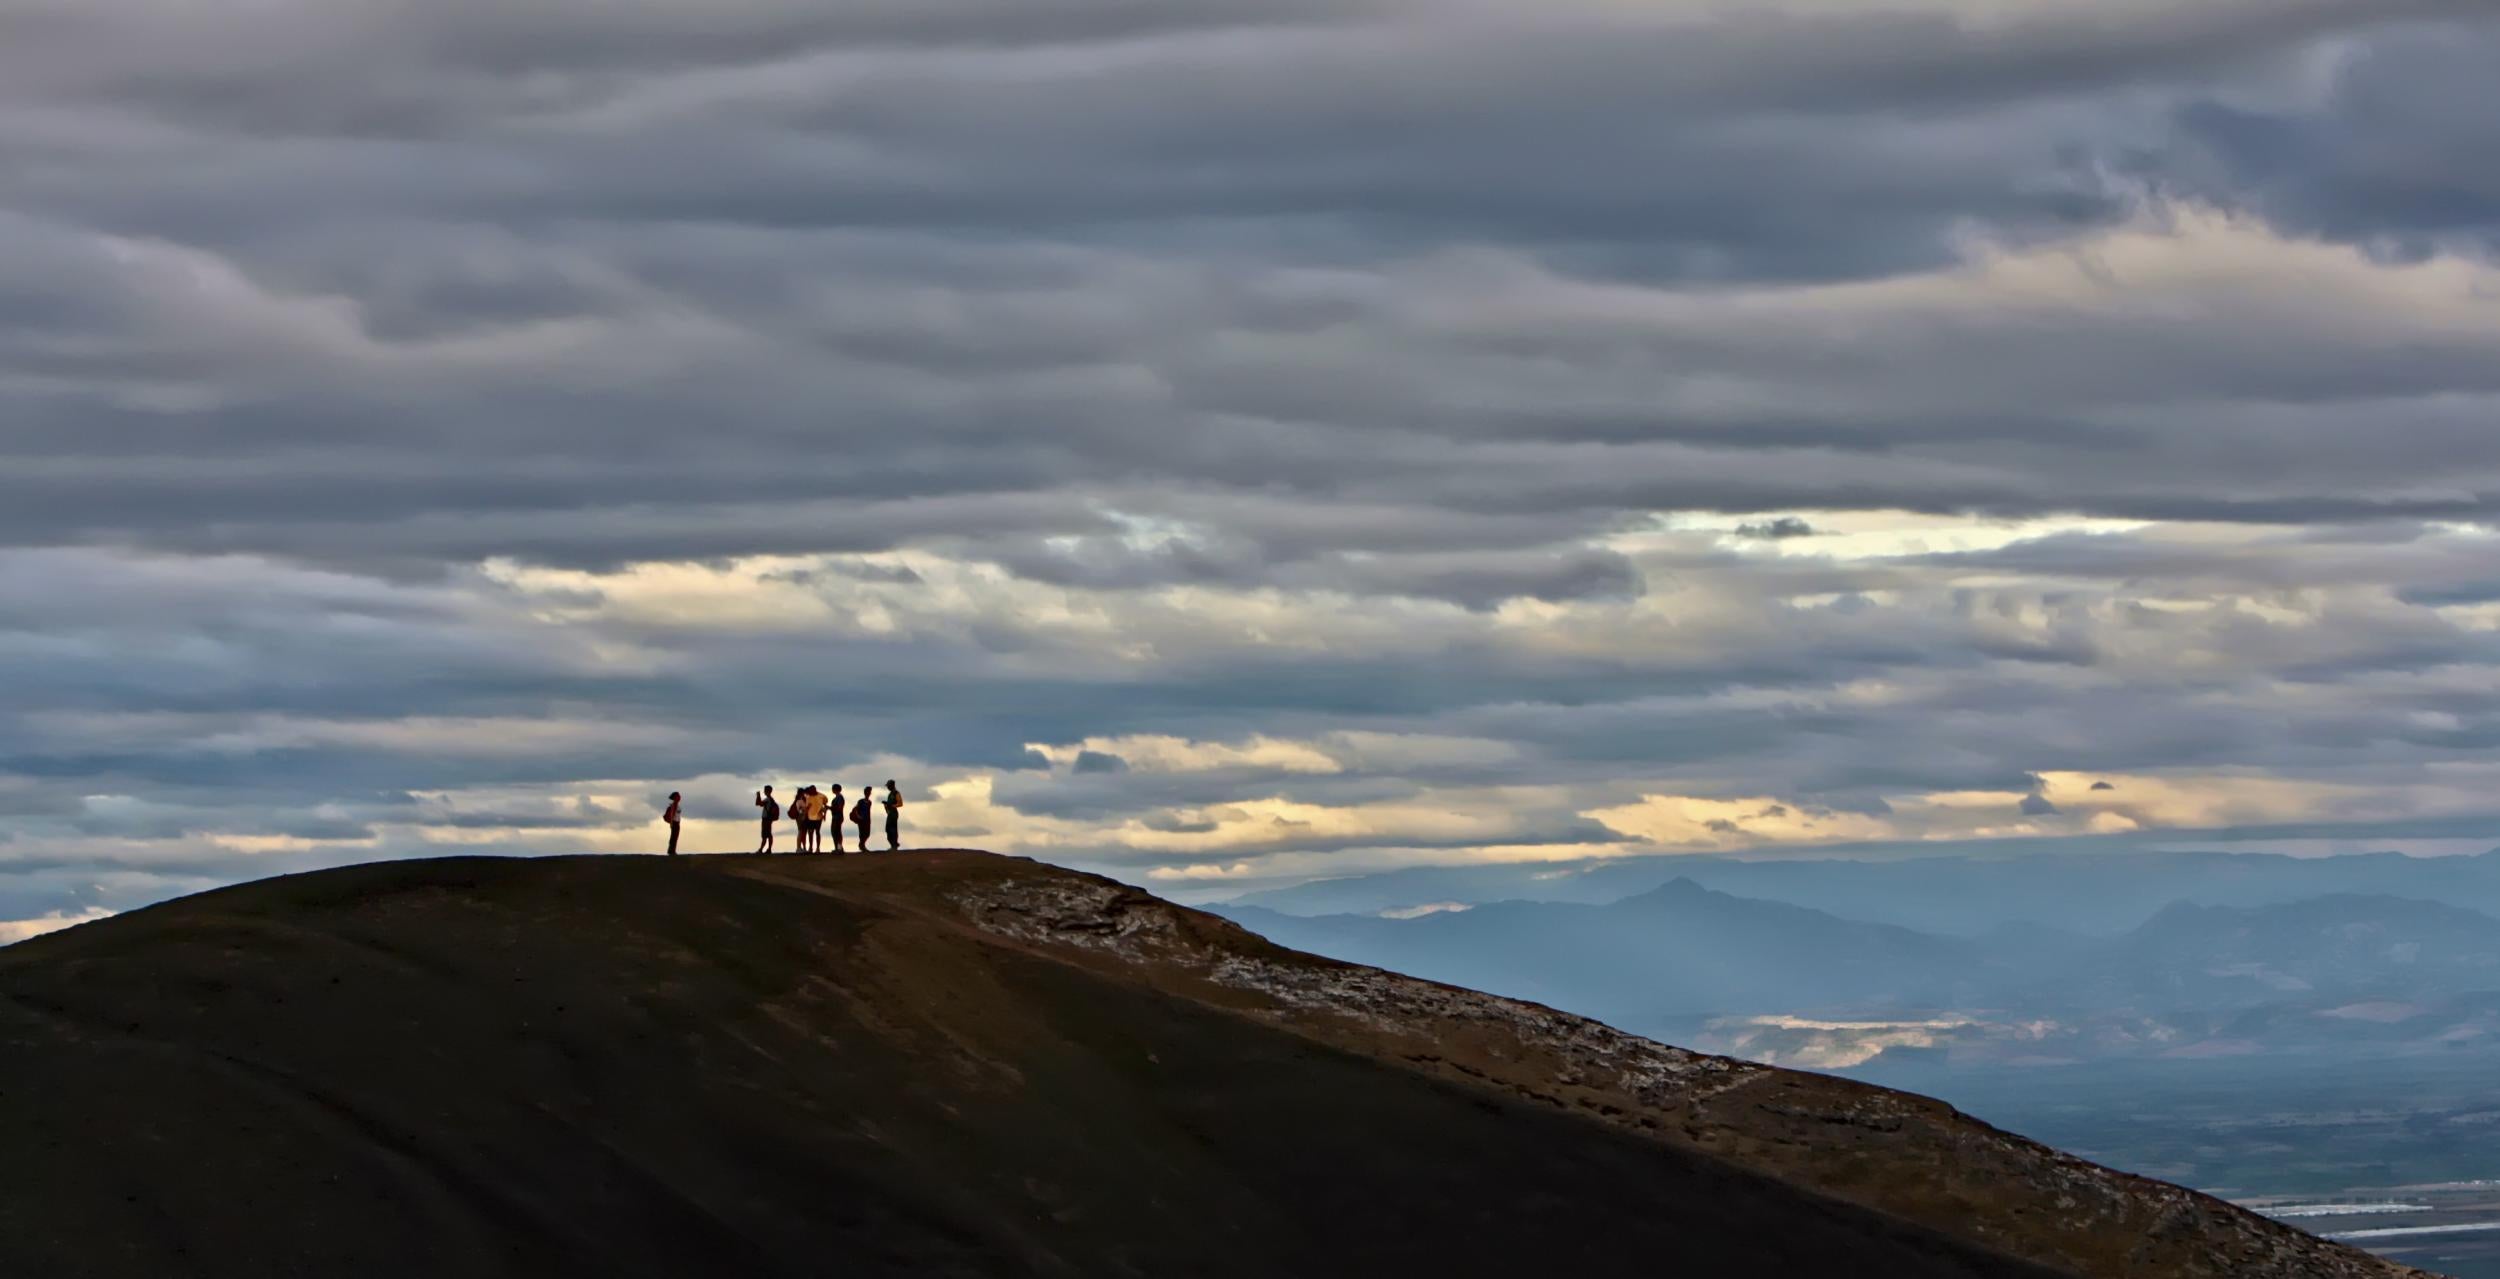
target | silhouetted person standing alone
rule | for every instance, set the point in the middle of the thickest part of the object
(859, 818)
(672, 817)
(772, 814)
(893, 819)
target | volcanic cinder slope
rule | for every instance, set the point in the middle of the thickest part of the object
(941, 1064)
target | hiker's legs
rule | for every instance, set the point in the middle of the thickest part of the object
(893, 830)
(766, 844)
(863, 834)
(672, 839)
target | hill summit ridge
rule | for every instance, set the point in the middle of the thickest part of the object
(1950, 1170)
(942, 1063)
(1105, 915)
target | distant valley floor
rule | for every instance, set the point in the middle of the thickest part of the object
(2421, 1132)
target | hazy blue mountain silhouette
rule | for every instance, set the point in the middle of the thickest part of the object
(1677, 950)
(2343, 967)
(2104, 893)
(2346, 945)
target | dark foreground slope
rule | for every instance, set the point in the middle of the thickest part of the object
(945, 1064)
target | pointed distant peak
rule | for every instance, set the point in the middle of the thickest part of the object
(1684, 883)
(1680, 888)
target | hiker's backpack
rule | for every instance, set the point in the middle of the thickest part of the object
(859, 811)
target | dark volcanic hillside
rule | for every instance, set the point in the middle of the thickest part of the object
(943, 1064)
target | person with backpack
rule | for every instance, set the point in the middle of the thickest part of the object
(672, 817)
(772, 815)
(833, 802)
(859, 817)
(893, 818)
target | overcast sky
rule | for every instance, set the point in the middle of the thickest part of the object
(1224, 440)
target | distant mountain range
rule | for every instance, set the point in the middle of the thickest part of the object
(1677, 951)
(2335, 973)
(2099, 893)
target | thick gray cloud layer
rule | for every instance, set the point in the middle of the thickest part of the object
(417, 418)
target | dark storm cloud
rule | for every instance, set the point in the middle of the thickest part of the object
(1786, 526)
(2396, 149)
(1245, 314)
(1479, 579)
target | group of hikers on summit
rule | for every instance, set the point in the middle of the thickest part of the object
(808, 810)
